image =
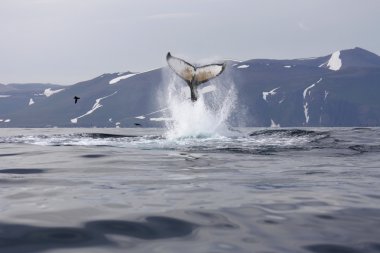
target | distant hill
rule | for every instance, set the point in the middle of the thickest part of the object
(340, 89)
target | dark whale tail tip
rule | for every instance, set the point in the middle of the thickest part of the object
(194, 76)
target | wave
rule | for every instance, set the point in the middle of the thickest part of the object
(260, 142)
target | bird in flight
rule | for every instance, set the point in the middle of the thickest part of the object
(76, 99)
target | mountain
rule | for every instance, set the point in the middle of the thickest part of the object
(340, 89)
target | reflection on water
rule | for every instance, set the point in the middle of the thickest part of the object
(94, 233)
(348, 230)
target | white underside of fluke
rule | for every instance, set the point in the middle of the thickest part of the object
(189, 73)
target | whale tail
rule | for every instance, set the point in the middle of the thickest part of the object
(194, 76)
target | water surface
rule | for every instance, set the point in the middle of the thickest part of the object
(142, 190)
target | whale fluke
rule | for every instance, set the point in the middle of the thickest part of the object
(194, 76)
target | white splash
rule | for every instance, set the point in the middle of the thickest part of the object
(207, 89)
(31, 101)
(204, 118)
(287, 66)
(5, 96)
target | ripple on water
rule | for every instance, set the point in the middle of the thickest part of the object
(21, 171)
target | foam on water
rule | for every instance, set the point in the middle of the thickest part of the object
(207, 117)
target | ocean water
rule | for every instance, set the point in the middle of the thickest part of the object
(155, 190)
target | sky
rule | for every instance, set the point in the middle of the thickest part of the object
(68, 41)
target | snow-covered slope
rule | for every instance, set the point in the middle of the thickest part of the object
(339, 89)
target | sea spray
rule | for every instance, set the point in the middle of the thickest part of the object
(207, 117)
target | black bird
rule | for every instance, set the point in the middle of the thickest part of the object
(76, 99)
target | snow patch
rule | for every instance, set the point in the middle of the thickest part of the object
(31, 101)
(117, 79)
(96, 106)
(307, 92)
(306, 112)
(269, 93)
(48, 92)
(143, 116)
(244, 66)
(160, 119)
(273, 124)
(335, 63)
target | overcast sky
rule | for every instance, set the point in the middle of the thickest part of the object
(67, 41)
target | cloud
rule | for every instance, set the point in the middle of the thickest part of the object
(176, 15)
(303, 27)
(50, 2)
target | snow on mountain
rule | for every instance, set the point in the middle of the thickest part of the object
(160, 119)
(96, 106)
(307, 97)
(273, 124)
(326, 94)
(348, 97)
(269, 93)
(49, 92)
(307, 91)
(118, 79)
(335, 63)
